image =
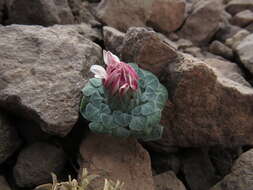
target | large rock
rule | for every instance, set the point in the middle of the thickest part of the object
(208, 107)
(9, 139)
(3, 184)
(50, 12)
(198, 170)
(243, 18)
(145, 47)
(124, 14)
(43, 71)
(244, 51)
(167, 15)
(168, 180)
(196, 28)
(113, 39)
(164, 15)
(36, 163)
(117, 159)
(241, 175)
(236, 6)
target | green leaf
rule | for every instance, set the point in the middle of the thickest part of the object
(122, 119)
(107, 121)
(135, 66)
(91, 112)
(96, 82)
(136, 111)
(121, 132)
(96, 127)
(148, 108)
(154, 118)
(138, 123)
(96, 98)
(155, 134)
(88, 90)
(104, 108)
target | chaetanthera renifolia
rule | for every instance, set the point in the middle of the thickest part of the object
(123, 100)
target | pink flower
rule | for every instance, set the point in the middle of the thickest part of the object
(118, 76)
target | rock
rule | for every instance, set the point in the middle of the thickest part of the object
(219, 48)
(168, 180)
(124, 14)
(207, 108)
(223, 158)
(204, 12)
(148, 49)
(36, 162)
(196, 166)
(250, 28)
(241, 175)
(43, 71)
(117, 159)
(243, 18)
(9, 139)
(226, 31)
(51, 12)
(1, 10)
(236, 39)
(113, 39)
(244, 52)
(3, 184)
(167, 15)
(194, 51)
(236, 6)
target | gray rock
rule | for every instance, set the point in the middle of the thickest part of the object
(168, 180)
(221, 49)
(43, 71)
(113, 39)
(244, 51)
(117, 159)
(9, 139)
(36, 162)
(236, 39)
(250, 28)
(226, 31)
(241, 175)
(236, 6)
(243, 18)
(146, 47)
(50, 12)
(198, 169)
(3, 184)
(196, 28)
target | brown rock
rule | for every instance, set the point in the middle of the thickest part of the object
(221, 49)
(208, 108)
(117, 159)
(148, 49)
(250, 28)
(51, 12)
(42, 72)
(235, 40)
(167, 15)
(236, 6)
(196, 28)
(198, 169)
(9, 139)
(113, 39)
(36, 162)
(243, 18)
(124, 14)
(1, 10)
(168, 180)
(3, 184)
(226, 31)
(241, 176)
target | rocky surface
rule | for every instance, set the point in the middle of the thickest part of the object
(243, 18)
(36, 162)
(221, 49)
(3, 184)
(139, 43)
(117, 159)
(236, 6)
(241, 175)
(9, 139)
(43, 70)
(244, 51)
(203, 12)
(168, 180)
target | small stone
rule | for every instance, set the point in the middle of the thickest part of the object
(36, 163)
(168, 180)
(219, 48)
(236, 6)
(235, 40)
(243, 18)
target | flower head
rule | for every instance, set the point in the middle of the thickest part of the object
(118, 76)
